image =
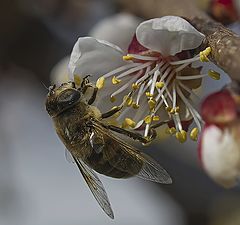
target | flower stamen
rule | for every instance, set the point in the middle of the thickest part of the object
(204, 54)
(128, 123)
(190, 108)
(214, 75)
(151, 103)
(158, 82)
(100, 82)
(115, 80)
(194, 134)
(181, 136)
(140, 57)
(137, 68)
(120, 69)
(127, 57)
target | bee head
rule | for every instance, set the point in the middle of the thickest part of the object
(62, 98)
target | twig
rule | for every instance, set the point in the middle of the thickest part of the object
(225, 46)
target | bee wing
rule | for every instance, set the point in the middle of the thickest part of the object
(96, 187)
(150, 169)
(69, 156)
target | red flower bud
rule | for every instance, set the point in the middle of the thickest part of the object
(219, 108)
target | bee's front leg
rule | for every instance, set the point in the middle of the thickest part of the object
(94, 95)
(116, 109)
(87, 84)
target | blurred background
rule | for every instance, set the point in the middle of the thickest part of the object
(37, 184)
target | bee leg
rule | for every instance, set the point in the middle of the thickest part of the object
(158, 124)
(153, 132)
(132, 134)
(85, 85)
(116, 108)
(94, 95)
(85, 81)
(111, 112)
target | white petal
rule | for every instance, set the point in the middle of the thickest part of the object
(94, 57)
(221, 155)
(168, 35)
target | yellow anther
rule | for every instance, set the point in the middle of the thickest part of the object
(129, 101)
(172, 130)
(77, 79)
(148, 119)
(135, 86)
(177, 109)
(203, 57)
(151, 103)
(194, 134)
(156, 118)
(135, 105)
(112, 98)
(214, 75)
(207, 51)
(100, 82)
(115, 80)
(172, 111)
(181, 136)
(148, 94)
(168, 108)
(159, 84)
(204, 54)
(128, 57)
(129, 122)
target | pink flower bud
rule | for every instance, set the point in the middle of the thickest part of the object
(219, 108)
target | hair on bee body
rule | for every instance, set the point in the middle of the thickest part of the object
(93, 142)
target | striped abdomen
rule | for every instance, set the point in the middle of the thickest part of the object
(113, 161)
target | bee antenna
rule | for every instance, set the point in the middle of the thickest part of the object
(44, 85)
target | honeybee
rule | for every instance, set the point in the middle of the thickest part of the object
(94, 144)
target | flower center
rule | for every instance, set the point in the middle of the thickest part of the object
(164, 85)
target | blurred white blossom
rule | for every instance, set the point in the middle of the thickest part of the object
(219, 148)
(117, 29)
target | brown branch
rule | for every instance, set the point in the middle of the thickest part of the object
(225, 44)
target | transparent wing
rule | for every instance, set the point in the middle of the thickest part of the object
(150, 169)
(68, 156)
(96, 187)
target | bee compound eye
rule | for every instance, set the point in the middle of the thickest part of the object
(69, 97)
